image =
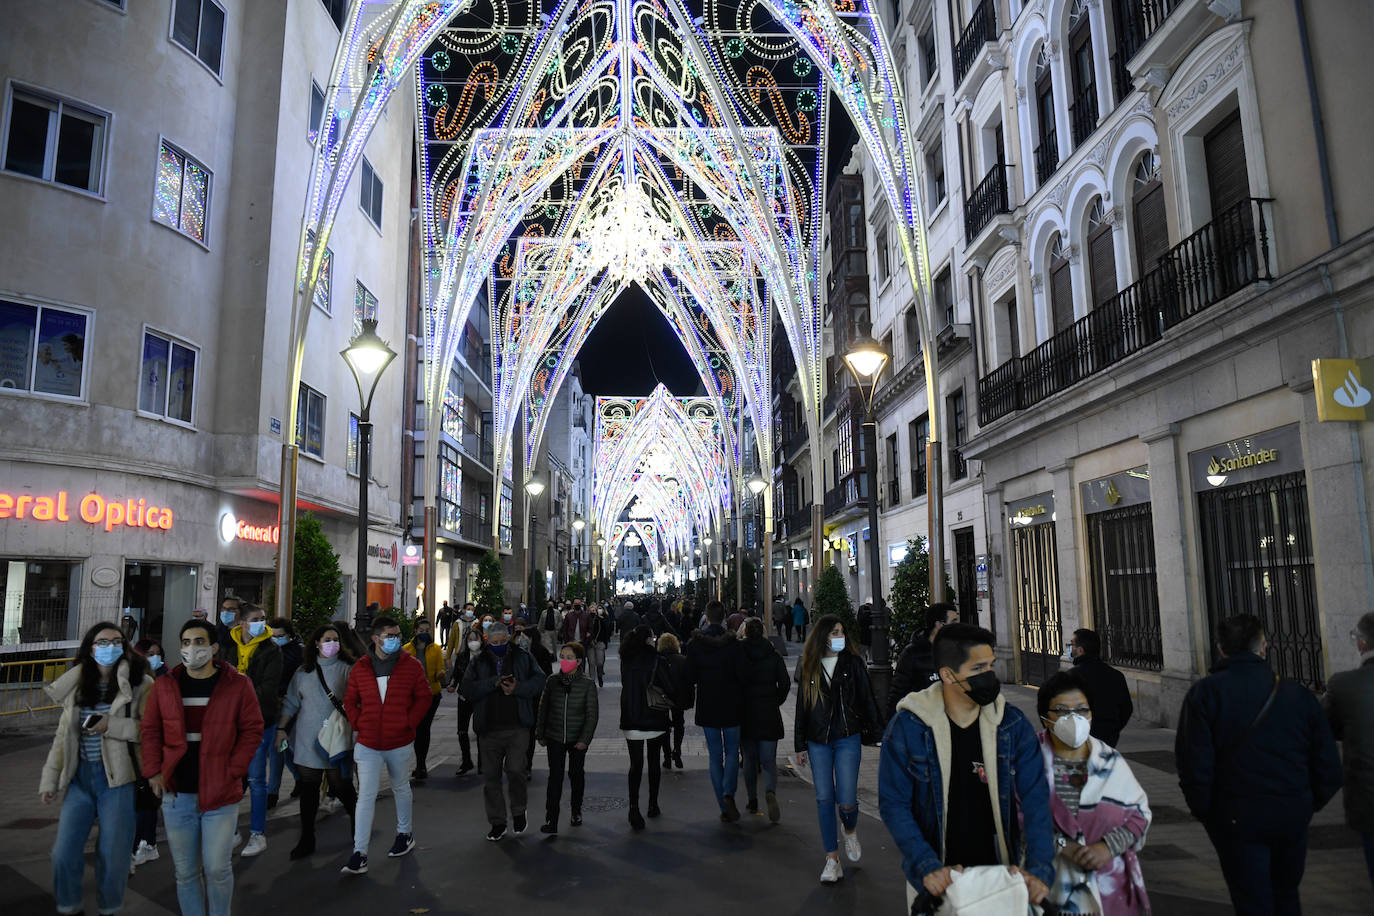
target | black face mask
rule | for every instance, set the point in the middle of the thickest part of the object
(983, 688)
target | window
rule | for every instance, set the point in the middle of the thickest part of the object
(1147, 205)
(371, 200)
(55, 140)
(324, 286)
(364, 307)
(167, 379)
(958, 433)
(884, 267)
(935, 173)
(1101, 254)
(913, 334)
(182, 197)
(894, 486)
(352, 467)
(316, 110)
(198, 26)
(919, 432)
(42, 349)
(929, 63)
(337, 10)
(1061, 285)
(310, 421)
(942, 297)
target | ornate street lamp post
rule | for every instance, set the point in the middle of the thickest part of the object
(533, 487)
(757, 485)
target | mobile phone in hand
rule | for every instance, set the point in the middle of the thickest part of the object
(91, 721)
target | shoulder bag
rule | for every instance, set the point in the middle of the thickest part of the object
(657, 697)
(335, 736)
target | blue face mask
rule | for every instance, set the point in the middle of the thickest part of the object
(837, 644)
(499, 650)
(155, 662)
(107, 655)
(257, 628)
(226, 617)
(281, 640)
(391, 645)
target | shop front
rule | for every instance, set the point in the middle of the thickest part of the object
(1123, 588)
(383, 565)
(1035, 586)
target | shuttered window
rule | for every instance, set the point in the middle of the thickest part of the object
(1101, 255)
(1061, 287)
(1228, 180)
(1147, 205)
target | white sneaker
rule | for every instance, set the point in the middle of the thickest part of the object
(145, 853)
(256, 844)
(133, 866)
(331, 805)
(852, 850)
(238, 838)
(832, 872)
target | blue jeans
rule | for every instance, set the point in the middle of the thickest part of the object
(90, 797)
(758, 752)
(1368, 840)
(276, 760)
(723, 746)
(201, 844)
(257, 782)
(835, 768)
(369, 763)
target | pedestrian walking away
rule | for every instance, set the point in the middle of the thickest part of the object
(201, 730)
(1112, 706)
(1256, 759)
(765, 684)
(1099, 810)
(503, 683)
(316, 691)
(567, 722)
(836, 713)
(387, 696)
(260, 659)
(916, 665)
(423, 649)
(645, 698)
(713, 667)
(685, 697)
(798, 620)
(1349, 705)
(961, 776)
(93, 765)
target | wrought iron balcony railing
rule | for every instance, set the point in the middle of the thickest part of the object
(1083, 115)
(981, 29)
(1046, 158)
(987, 200)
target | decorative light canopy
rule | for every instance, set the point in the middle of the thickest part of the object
(625, 237)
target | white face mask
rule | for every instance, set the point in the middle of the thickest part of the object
(195, 657)
(1072, 729)
(474, 645)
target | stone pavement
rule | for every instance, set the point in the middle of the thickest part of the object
(687, 861)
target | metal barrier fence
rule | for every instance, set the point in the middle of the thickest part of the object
(22, 683)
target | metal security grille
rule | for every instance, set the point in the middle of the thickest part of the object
(1037, 600)
(1257, 559)
(1125, 592)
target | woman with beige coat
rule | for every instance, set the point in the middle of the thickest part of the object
(93, 765)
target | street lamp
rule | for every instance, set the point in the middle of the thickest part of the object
(757, 485)
(534, 487)
(601, 567)
(578, 524)
(866, 359)
(367, 356)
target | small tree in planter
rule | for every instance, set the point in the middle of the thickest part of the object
(489, 593)
(577, 587)
(833, 598)
(911, 593)
(750, 591)
(318, 583)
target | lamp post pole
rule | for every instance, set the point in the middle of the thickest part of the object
(364, 468)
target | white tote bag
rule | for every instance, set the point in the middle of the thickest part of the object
(335, 737)
(983, 890)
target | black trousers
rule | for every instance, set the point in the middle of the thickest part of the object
(656, 746)
(577, 775)
(464, 722)
(1263, 866)
(422, 734)
(676, 732)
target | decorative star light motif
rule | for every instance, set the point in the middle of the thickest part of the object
(625, 237)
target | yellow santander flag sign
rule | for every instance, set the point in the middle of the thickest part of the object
(1344, 388)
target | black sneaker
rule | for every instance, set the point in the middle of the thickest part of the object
(497, 832)
(466, 768)
(519, 823)
(357, 864)
(420, 775)
(405, 842)
(576, 817)
(550, 827)
(731, 812)
(753, 806)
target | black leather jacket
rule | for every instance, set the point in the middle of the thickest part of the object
(847, 708)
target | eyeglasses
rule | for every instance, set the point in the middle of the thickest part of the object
(1068, 711)
(106, 643)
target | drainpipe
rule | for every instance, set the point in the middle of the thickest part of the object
(1318, 125)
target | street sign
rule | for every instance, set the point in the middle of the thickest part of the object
(1343, 388)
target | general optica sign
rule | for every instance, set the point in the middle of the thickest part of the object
(93, 509)
(234, 529)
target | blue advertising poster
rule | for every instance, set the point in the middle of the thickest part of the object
(16, 344)
(61, 353)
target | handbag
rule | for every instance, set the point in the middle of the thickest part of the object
(335, 736)
(656, 695)
(982, 890)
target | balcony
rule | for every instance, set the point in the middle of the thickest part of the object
(1046, 158)
(1155, 36)
(1223, 257)
(1137, 20)
(1083, 115)
(989, 199)
(795, 524)
(465, 525)
(478, 448)
(1121, 77)
(981, 29)
(849, 498)
(793, 442)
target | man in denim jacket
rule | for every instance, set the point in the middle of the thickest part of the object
(944, 802)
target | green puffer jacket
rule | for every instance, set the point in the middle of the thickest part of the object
(567, 710)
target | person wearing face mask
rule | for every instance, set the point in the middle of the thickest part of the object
(1100, 812)
(565, 726)
(458, 666)
(145, 802)
(260, 659)
(526, 638)
(93, 765)
(836, 714)
(643, 674)
(961, 778)
(201, 730)
(422, 648)
(1349, 707)
(224, 627)
(308, 703)
(508, 616)
(386, 699)
(1112, 706)
(285, 638)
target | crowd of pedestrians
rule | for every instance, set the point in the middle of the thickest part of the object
(980, 801)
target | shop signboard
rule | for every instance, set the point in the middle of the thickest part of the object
(1253, 457)
(1117, 491)
(1342, 388)
(1033, 510)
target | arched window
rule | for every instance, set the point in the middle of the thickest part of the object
(1101, 254)
(1047, 153)
(1147, 205)
(1060, 284)
(1083, 109)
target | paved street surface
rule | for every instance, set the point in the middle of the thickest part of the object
(687, 861)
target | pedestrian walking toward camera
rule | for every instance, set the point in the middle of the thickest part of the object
(1100, 812)
(646, 693)
(599, 627)
(316, 691)
(260, 660)
(503, 682)
(1112, 706)
(713, 667)
(93, 764)
(145, 802)
(961, 776)
(1255, 760)
(285, 638)
(458, 667)
(567, 723)
(201, 730)
(916, 665)
(424, 650)
(1349, 704)
(670, 654)
(386, 698)
(445, 619)
(764, 684)
(836, 713)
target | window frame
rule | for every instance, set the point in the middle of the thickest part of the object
(330, 13)
(300, 437)
(50, 156)
(376, 303)
(328, 307)
(363, 172)
(956, 416)
(937, 155)
(918, 428)
(312, 129)
(209, 192)
(40, 305)
(172, 340)
(195, 52)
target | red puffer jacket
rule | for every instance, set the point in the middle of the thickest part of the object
(229, 738)
(386, 726)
